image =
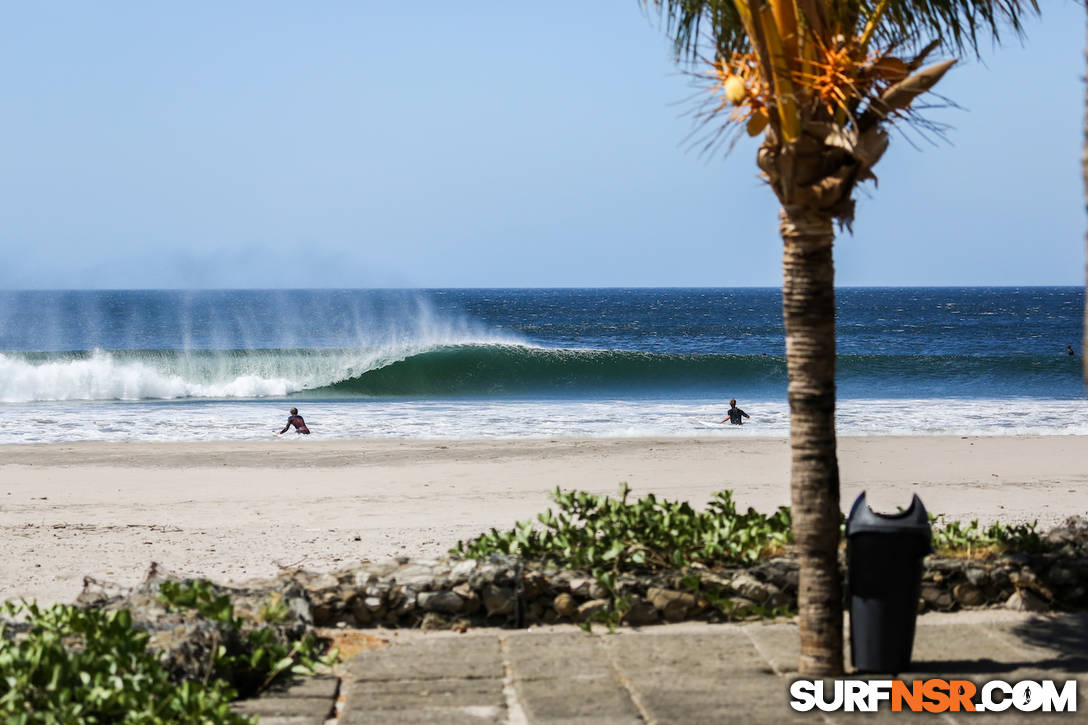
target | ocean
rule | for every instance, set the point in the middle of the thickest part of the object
(525, 363)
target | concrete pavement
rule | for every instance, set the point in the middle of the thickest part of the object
(682, 673)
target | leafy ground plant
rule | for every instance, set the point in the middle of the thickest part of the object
(953, 538)
(609, 535)
(265, 655)
(70, 665)
(604, 533)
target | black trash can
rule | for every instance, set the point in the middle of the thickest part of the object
(884, 575)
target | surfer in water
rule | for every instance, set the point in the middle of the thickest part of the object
(735, 414)
(297, 421)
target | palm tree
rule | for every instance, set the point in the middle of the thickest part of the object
(821, 80)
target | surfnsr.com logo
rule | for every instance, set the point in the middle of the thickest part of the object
(933, 695)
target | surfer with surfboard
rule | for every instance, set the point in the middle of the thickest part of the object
(735, 414)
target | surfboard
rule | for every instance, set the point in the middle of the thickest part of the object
(711, 424)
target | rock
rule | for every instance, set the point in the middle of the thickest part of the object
(373, 603)
(784, 572)
(498, 600)
(434, 622)
(936, 597)
(417, 576)
(361, 612)
(323, 615)
(750, 588)
(672, 604)
(405, 598)
(1024, 600)
(1061, 575)
(780, 600)
(462, 570)
(1000, 578)
(597, 591)
(485, 573)
(469, 596)
(1026, 579)
(534, 612)
(579, 587)
(564, 605)
(593, 606)
(533, 584)
(968, 595)
(977, 577)
(377, 588)
(741, 607)
(446, 601)
(641, 613)
(362, 578)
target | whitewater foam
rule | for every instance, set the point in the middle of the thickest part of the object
(228, 420)
(212, 374)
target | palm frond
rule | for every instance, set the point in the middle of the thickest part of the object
(958, 25)
(693, 23)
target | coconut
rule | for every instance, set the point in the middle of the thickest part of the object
(735, 90)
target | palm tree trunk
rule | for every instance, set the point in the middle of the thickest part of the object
(808, 306)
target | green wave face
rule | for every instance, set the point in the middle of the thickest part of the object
(515, 369)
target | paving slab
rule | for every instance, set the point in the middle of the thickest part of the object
(567, 655)
(432, 658)
(689, 673)
(602, 701)
(447, 693)
(295, 701)
(778, 642)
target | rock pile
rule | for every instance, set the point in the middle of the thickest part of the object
(1055, 578)
(507, 591)
(186, 640)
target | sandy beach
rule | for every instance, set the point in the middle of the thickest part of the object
(232, 511)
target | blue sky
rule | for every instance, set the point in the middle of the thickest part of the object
(356, 144)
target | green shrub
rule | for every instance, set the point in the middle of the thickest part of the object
(65, 664)
(611, 535)
(265, 654)
(952, 538)
(72, 665)
(603, 533)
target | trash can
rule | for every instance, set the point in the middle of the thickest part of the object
(884, 575)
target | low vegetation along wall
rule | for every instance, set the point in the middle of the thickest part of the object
(506, 590)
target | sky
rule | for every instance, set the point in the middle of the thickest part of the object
(354, 144)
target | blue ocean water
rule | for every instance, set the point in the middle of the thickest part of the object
(176, 365)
